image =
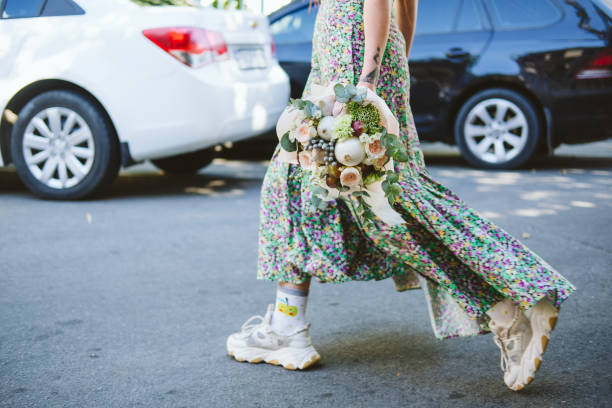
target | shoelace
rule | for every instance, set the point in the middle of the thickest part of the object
(248, 327)
(503, 362)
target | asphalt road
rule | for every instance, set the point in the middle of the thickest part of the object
(126, 301)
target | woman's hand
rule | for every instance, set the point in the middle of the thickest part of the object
(367, 85)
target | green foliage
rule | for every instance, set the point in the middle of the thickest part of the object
(317, 193)
(342, 127)
(349, 92)
(309, 108)
(287, 144)
(391, 187)
(368, 115)
(373, 177)
(364, 209)
(395, 148)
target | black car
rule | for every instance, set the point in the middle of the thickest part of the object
(502, 79)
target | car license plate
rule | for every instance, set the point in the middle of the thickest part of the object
(250, 58)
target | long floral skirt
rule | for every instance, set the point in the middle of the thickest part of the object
(465, 262)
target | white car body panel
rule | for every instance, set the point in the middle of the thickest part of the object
(158, 105)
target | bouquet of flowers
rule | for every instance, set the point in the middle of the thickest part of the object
(345, 139)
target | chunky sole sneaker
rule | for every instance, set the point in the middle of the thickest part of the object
(258, 342)
(543, 319)
(522, 342)
(288, 357)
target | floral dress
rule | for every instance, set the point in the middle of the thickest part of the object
(464, 262)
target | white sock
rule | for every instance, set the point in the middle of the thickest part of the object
(290, 310)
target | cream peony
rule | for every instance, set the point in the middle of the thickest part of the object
(306, 161)
(350, 177)
(305, 131)
(381, 161)
(349, 151)
(375, 149)
(325, 128)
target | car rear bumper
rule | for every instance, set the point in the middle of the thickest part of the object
(196, 109)
(581, 116)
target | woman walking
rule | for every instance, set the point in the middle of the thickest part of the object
(477, 278)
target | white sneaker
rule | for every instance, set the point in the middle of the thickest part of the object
(543, 319)
(257, 342)
(513, 340)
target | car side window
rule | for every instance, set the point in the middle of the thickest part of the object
(21, 8)
(436, 16)
(61, 8)
(469, 17)
(516, 14)
(295, 27)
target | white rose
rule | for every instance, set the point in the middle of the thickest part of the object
(298, 117)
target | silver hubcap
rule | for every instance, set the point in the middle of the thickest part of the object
(496, 130)
(58, 147)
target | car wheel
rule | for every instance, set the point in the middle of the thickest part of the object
(62, 146)
(497, 129)
(187, 163)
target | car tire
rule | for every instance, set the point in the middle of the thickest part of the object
(187, 163)
(63, 146)
(497, 129)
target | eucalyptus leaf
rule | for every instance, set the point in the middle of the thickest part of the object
(387, 141)
(319, 191)
(287, 144)
(401, 156)
(351, 90)
(339, 90)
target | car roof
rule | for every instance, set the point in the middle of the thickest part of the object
(289, 8)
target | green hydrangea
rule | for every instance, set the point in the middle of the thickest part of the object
(342, 127)
(368, 115)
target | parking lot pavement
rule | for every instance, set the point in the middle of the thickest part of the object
(126, 301)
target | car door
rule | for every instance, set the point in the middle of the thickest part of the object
(16, 21)
(12, 30)
(450, 36)
(293, 38)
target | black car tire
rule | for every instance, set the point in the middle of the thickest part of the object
(101, 166)
(187, 163)
(518, 110)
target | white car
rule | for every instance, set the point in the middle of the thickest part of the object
(89, 85)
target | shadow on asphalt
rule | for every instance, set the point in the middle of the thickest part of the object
(159, 184)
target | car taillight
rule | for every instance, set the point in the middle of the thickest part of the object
(272, 47)
(599, 67)
(192, 46)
